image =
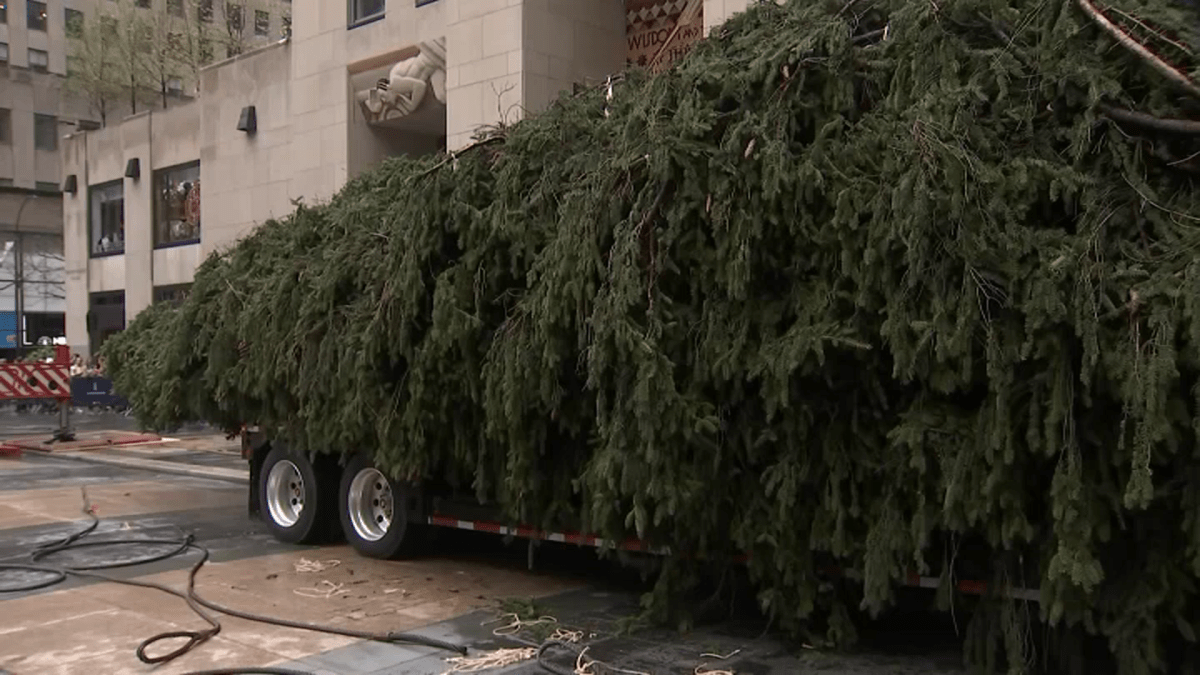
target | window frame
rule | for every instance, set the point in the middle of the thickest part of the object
(235, 18)
(157, 207)
(93, 241)
(73, 21)
(40, 68)
(4, 11)
(262, 23)
(5, 126)
(174, 294)
(39, 117)
(5, 49)
(205, 11)
(30, 9)
(355, 18)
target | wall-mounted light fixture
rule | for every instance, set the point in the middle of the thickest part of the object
(248, 121)
(133, 168)
(71, 185)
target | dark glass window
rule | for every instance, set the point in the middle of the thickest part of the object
(177, 205)
(235, 17)
(262, 22)
(39, 60)
(35, 15)
(108, 218)
(363, 10)
(174, 295)
(45, 132)
(73, 20)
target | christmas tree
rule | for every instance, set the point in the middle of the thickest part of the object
(884, 284)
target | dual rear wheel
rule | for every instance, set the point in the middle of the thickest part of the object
(304, 502)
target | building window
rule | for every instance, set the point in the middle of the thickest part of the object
(6, 182)
(144, 4)
(285, 26)
(35, 15)
(174, 86)
(5, 126)
(45, 132)
(46, 186)
(73, 20)
(177, 205)
(235, 18)
(204, 10)
(4, 11)
(262, 22)
(362, 11)
(108, 218)
(3, 52)
(174, 295)
(39, 60)
(175, 7)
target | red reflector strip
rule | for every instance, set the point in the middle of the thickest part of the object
(912, 579)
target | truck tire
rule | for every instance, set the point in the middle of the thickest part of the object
(374, 512)
(293, 502)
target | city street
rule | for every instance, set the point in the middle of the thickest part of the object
(455, 593)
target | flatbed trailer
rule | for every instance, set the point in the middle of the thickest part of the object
(302, 500)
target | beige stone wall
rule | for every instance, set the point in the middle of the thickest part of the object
(247, 179)
(158, 140)
(568, 42)
(484, 65)
(716, 12)
(510, 58)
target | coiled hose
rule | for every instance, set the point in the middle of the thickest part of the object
(198, 604)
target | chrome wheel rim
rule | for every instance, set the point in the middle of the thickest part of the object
(370, 504)
(285, 493)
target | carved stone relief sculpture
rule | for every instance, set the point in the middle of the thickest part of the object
(407, 85)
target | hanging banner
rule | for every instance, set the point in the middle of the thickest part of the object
(659, 32)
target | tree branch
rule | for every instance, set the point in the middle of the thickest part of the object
(1127, 41)
(1144, 121)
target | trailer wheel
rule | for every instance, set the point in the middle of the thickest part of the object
(294, 504)
(373, 510)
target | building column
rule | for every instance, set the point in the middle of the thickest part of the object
(139, 217)
(76, 242)
(717, 11)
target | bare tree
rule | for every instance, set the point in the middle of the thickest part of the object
(247, 23)
(94, 62)
(143, 51)
(133, 33)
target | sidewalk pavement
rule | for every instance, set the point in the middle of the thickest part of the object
(202, 456)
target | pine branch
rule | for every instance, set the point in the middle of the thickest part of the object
(1125, 40)
(1150, 122)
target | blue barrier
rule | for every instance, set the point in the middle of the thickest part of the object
(87, 392)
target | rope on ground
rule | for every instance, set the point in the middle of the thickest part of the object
(516, 624)
(702, 669)
(495, 659)
(324, 590)
(306, 566)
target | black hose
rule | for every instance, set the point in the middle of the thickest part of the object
(195, 602)
(550, 667)
(249, 671)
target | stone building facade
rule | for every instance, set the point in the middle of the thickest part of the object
(358, 81)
